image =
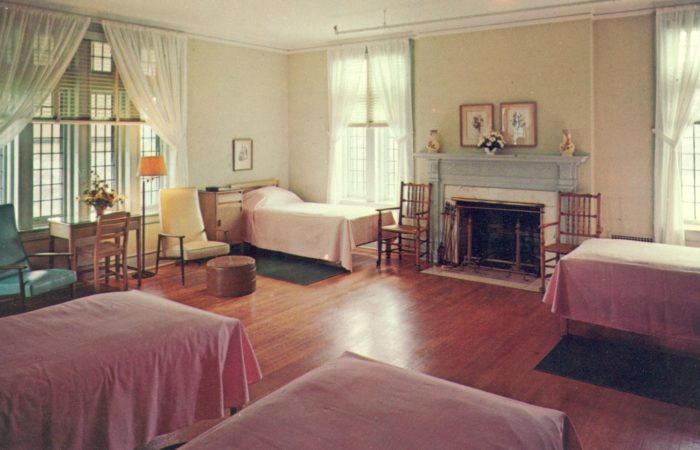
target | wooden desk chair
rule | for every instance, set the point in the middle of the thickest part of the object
(413, 227)
(579, 219)
(111, 239)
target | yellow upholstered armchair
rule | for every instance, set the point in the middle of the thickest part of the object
(182, 235)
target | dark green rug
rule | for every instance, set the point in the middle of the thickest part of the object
(656, 375)
(292, 268)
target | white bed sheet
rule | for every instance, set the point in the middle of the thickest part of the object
(283, 222)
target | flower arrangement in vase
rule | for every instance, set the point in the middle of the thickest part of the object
(100, 196)
(491, 142)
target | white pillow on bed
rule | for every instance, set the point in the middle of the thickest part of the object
(269, 195)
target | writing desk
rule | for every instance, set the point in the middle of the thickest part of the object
(73, 229)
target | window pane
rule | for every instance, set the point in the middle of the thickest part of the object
(356, 163)
(690, 173)
(102, 159)
(49, 187)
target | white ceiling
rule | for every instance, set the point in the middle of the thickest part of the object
(294, 25)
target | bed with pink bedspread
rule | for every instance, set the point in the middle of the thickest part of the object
(277, 219)
(115, 370)
(355, 403)
(647, 288)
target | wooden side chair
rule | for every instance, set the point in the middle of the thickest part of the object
(111, 240)
(183, 237)
(17, 277)
(579, 219)
(412, 232)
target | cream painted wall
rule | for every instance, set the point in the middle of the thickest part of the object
(549, 64)
(236, 92)
(308, 125)
(624, 118)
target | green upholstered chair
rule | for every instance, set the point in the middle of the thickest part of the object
(17, 279)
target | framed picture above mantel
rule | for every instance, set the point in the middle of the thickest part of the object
(519, 124)
(474, 120)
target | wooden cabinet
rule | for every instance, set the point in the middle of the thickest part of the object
(222, 211)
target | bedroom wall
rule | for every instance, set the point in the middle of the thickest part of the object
(624, 117)
(236, 92)
(308, 125)
(594, 77)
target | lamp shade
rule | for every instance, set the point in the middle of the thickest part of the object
(152, 166)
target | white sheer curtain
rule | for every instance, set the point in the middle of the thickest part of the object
(153, 66)
(390, 63)
(677, 85)
(343, 89)
(36, 46)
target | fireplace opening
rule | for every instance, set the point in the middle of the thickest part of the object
(499, 235)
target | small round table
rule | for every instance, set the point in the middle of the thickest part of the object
(231, 276)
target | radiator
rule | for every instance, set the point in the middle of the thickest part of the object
(631, 238)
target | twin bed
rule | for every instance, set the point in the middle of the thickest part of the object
(646, 288)
(115, 370)
(277, 219)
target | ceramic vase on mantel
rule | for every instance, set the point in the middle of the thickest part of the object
(567, 147)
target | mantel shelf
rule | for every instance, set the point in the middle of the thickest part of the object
(520, 158)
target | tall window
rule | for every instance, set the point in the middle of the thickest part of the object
(75, 132)
(371, 148)
(151, 146)
(370, 159)
(690, 173)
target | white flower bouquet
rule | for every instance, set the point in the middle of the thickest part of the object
(491, 142)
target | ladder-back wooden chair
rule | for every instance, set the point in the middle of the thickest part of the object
(579, 219)
(111, 240)
(412, 231)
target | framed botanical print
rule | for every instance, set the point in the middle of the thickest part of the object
(242, 154)
(474, 121)
(519, 123)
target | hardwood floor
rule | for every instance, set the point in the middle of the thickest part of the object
(483, 336)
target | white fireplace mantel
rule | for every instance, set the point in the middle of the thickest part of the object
(531, 172)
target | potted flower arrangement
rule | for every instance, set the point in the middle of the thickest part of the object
(491, 142)
(100, 196)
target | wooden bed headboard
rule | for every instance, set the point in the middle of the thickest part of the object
(250, 185)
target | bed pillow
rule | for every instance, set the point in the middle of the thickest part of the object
(267, 196)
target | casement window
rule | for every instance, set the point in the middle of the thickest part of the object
(690, 174)
(371, 154)
(87, 126)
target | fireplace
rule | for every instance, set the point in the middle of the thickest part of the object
(510, 179)
(498, 235)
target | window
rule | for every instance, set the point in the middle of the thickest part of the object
(371, 163)
(100, 57)
(371, 121)
(86, 125)
(690, 173)
(151, 146)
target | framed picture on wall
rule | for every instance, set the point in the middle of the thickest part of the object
(474, 120)
(242, 154)
(519, 123)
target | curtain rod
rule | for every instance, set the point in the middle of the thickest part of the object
(384, 25)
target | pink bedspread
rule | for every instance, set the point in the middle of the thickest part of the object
(276, 219)
(652, 289)
(115, 370)
(361, 404)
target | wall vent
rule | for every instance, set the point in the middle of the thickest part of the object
(631, 238)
